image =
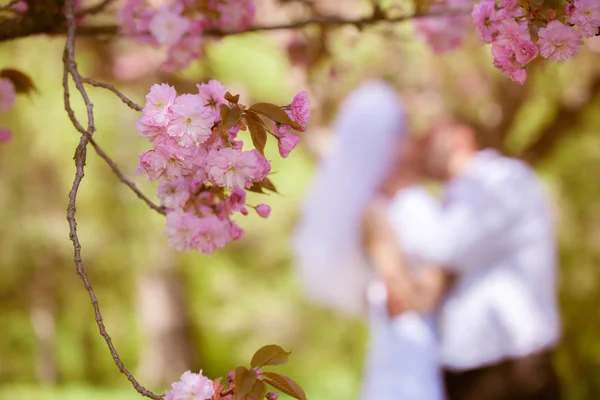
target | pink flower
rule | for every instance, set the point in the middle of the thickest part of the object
(236, 232)
(525, 52)
(569, 9)
(510, 9)
(182, 53)
(193, 387)
(443, 33)
(21, 6)
(213, 234)
(236, 15)
(233, 169)
(586, 15)
(190, 121)
(167, 161)
(212, 93)
(147, 128)
(263, 210)
(5, 135)
(168, 26)
(237, 200)
(158, 103)
(7, 94)
(263, 166)
(300, 108)
(483, 15)
(510, 33)
(271, 396)
(280, 129)
(182, 229)
(559, 42)
(174, 194)
(286, 144)
(505, 60)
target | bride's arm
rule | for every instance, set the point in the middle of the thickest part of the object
(406, 291)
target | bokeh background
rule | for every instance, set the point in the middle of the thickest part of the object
(167, 311)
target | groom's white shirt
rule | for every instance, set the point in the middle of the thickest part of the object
(495, 230)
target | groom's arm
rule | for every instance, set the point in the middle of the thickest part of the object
(471, 227)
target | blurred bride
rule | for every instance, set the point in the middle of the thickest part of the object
(346, 262)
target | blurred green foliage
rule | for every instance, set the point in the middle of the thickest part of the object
(238, 299)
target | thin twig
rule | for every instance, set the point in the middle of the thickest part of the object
(123, 178)
(80, 159)
(123, 98)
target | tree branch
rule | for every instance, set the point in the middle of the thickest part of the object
(112, 30)
(123, 98)
(80, 158)
(117, 171)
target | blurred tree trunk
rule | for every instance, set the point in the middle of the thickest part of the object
(168, 348)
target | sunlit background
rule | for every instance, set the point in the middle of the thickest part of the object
(167, 311)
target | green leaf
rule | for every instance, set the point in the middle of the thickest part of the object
(269, 355)
(231, 98)
(275, 113)
(232, 118)
(259, 390)
(258, 132)
(244, 381)
(285, 384)
(22, 82)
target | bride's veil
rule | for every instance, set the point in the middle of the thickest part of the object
(327, 242)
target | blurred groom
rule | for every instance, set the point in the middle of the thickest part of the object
(493, 232)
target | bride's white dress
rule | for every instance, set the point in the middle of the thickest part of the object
(402, 360)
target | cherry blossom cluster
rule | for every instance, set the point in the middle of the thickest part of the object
(446, 31)
(178, 25)
(519, 34)
(193, 386)
(7, 100)
(202, 169)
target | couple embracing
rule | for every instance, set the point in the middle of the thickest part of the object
(460, 288)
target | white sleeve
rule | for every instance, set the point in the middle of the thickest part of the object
(469, 228)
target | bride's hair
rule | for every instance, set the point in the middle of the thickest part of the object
(327, 242)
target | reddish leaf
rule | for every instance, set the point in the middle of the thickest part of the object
(269, 355)
(256, 187)
(244, 381)
(258, 132)
(275, 113)
(231, 98)
(259, 390)
(22, 82)
(285, 384)
(232, 118)
(267, 184)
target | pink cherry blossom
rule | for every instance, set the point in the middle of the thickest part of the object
(212, 93)
(286, 144)
(190, 121)
(236, 15)
(148, 129)
(213, 234)
(271, 396)
(237, 200)
(442, 34)
(168, 26)
(158, 103)
(182, 230)
(263, 210)
(586, 15)
(7, 94)
(559, 42)
(233, 169)
(300, 109)
(236, 232)
(510, 33)
(483, 16)
(505, 60)
(21, 6)
(263, 166)
(569, 9)
(193, 387)
(525, 52)
(5, 135)
(173, 194)
(182, 53)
